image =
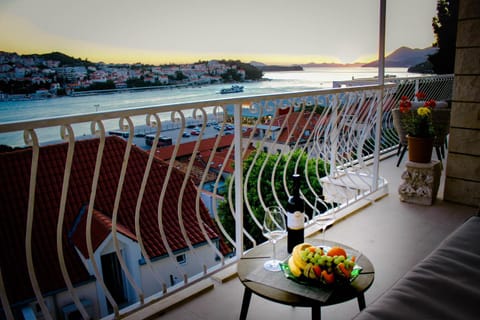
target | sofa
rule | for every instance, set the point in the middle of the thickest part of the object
(444, 285)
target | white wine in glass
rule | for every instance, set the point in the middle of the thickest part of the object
(274, 228)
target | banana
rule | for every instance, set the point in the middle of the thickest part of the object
(294, 269)
(311, 274)
(297, 254)
(305, 270)
(297, 258)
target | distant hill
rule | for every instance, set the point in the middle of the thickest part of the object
(405, 57)
(264, 67)
(281, 68)
(331, 65)
(424, 67)
(64, 59)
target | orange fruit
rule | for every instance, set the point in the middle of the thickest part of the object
(336, 251)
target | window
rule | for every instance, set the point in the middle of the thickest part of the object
(181, 259)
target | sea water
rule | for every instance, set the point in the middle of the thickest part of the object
(275, 82)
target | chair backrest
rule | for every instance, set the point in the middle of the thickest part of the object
(397, 124)
(441, 124)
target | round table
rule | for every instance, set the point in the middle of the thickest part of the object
(255, 258)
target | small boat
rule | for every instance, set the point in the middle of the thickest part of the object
(233, 89)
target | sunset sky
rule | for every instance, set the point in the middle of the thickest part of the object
(185, 31)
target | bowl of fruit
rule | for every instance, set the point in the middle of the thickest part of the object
(309, 264)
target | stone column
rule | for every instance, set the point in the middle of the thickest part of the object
(462, 183)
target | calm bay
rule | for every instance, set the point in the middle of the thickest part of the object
(309, 79)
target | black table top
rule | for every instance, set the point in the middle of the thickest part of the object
(254, 259)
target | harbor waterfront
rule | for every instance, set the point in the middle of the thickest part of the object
(309, 79)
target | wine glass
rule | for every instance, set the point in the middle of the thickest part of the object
(274, 227)
(323, 219)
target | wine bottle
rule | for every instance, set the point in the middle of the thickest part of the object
(295, 216)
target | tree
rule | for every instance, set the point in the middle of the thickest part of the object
(445, 29)
(226, 217)
(179, 76)
(251, 72)
(231, 75)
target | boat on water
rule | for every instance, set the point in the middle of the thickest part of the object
(233, 89)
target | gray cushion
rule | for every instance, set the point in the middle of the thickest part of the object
(445, 285)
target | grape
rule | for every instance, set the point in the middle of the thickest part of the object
(303, 255)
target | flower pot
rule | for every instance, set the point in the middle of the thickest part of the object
(420, 149)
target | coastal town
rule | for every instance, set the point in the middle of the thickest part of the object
(49, 75)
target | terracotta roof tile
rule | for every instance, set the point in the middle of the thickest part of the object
(296, 131)
(101, 228)
(14, 179)
(186, 149)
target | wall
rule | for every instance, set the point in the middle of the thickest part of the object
(204, 254)
(462, 183)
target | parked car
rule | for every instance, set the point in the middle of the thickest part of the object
(186, 134)
(195, 132)
(162, 140)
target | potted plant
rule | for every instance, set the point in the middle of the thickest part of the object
(417, 123)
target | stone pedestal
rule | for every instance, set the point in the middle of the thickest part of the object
(420, 182)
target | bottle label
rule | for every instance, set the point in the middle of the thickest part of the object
(295, 220)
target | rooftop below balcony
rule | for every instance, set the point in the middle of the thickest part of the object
(394, 235)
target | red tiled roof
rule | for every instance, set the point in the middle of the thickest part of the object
(14, 179)
(186, 149)
(291, 129)
(219, 159)
(101, 228)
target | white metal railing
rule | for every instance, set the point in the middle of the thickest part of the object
(328, 136)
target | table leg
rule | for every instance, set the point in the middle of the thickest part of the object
(316, 312)
(361, 301)
(247, 295)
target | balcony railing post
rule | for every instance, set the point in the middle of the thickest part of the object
(334, 136)
(417, 81)
(238, 180)
(381, 79)
(378, 139)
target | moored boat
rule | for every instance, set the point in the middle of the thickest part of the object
(233, 89)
